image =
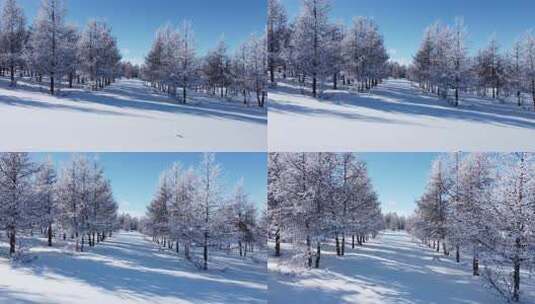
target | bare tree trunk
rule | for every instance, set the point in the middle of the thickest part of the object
(205, 251)
(12, 241)
(318, 255)
(277, 243)
(50, 235)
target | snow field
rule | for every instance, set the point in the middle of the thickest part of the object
(126, 116)
(393, 268)
(128, 268)
(395, 116)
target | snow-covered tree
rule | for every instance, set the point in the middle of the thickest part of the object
(277, 35)
(98, 54)
(315, 196)
(13, 34)
(52, 49)
(484, 204)
(311, 41)
(209, 199)
(16, 195)
(46, 209)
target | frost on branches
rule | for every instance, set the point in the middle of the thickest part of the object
(482, 205)
(315, 52)
(77, 205)
(317, 197)
(173, 67)
(54, 53)
(191, 210)
(444, 67)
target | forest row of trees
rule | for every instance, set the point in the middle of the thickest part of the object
(173, 64)
(191, 209)
(54, 51)
(482, 205)
(393, 221)
(76, 204)
(311, 47)
(316, 197)
(443, 65)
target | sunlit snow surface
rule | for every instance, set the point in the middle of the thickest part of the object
(393, 269)
(396, 116)
(128, 268)
(127, 116)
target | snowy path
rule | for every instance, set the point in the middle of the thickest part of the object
(126, 116)
(392, 269)
(396, 117)
(129, 269)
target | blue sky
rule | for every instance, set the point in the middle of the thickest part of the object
(399, 178)
(403, 22)
(135, 21)
(134, 176)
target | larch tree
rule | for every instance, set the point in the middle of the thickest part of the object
(13, 34)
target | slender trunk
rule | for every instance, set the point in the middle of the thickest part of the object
(277, 243)
(475, 263)
(318, 255)
(309, 252)
(516, 279)
(457, 254)
(337, 245)
(12, 242)
(50, 235)
(314, 85)
(12, 74)
(52, 84)
(353, 241)
(343, 243)
(205, 251)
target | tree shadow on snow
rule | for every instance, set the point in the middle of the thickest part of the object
(399, 272)
(144, 271)
(398, 97)
(133, 95)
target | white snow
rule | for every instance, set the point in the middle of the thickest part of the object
(125, 117)
(128, 268)
(391, 269)
(396, 116)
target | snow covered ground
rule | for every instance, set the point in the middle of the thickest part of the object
(391, 269)
(394, 117)
(128, 268)
(126, 116)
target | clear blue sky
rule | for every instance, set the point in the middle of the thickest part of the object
(399, 178)
(403, 21)
(135, 21)
(134, 176)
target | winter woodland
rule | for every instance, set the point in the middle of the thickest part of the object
(74, 204)
(482, 206)
(77, 79)
(191, 210)
(316, 198)
(198, 243)
(471, 237)
(331, 77)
